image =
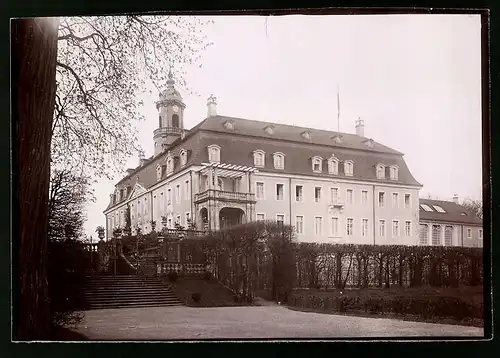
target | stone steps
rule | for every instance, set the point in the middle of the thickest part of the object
(102, 291)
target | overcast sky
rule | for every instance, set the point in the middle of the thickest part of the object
(414, 79)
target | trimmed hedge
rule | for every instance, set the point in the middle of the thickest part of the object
(442, 307)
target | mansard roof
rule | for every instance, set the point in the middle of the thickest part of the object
(454, 213)
(286, 132)
(237, 147)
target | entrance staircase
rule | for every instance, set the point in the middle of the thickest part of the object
(107, 291)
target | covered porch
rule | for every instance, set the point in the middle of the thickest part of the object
(225, 195)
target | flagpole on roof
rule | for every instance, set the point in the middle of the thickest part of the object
(338, 110)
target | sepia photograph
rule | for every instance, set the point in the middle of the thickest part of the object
(250, 177)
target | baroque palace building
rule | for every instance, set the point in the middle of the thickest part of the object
(332, 187)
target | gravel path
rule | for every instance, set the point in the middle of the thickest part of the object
(165, 323)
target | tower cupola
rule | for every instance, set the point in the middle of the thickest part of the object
(170, 108)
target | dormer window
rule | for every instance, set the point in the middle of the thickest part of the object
(317, 164)
(368, 143)
(158, 172)
(279, 160)
(259, 158)
(269, 129)
(183, 155)
(170, 163)
(338, 139)
(214, 153)
(333, 165)
(229, 125)
(306, 134)
(349, 168)
(380, 171)
(393, 172)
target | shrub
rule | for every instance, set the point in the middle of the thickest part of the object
(172, 276)
(196, 297)
(207, 275)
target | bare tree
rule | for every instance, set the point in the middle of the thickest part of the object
(103, 64)
(97, 66)
(476, 206)
(68, 194)
(33, 59)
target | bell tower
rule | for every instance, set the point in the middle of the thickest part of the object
(170, 108)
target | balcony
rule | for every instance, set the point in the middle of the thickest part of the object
(224, 196)
(166, 131)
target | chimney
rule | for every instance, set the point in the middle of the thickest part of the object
(455, 198)
(212, 106)
(360, 127)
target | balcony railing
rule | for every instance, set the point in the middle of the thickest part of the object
(224, 195)
(167, 130)
(337, 203)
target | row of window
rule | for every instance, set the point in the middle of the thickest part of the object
(334, 195)
(335, 229)
(437, 232)
(140, 207)
(259, 157)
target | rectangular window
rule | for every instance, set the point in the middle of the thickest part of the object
(424, 234)
(364, 227)
(280, 219)
(169, 224)
(139, 208)
(364, 197)
(261, 217)
(145, 206)
(349, 198)
(132, 212)
(178, 194)
(395, 200)
(334, 195)
(436, 235)
(480, 234)
(381, 199)
(448, 236)
(178, 220)
(318, 223)
(260, 190)
(349, 227)
(186, 189)
(395, 228)
(381, 228)
(298, 192)
(407, 228)
(280, 191)
(299, 224)
(188, 218)
(317, 194)
(335, 226)
(407, 201)
(469, 233)
(169, 196)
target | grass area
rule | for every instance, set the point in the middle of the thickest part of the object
(212, 293)
(462, 305)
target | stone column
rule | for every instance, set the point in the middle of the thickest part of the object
(210, 178)
(246, 183)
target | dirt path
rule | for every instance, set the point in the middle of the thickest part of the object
(168, 323)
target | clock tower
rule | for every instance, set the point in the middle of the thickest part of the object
(170, 117)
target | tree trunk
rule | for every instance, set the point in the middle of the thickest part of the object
(34, 55)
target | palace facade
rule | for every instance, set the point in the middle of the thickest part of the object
(332, 187)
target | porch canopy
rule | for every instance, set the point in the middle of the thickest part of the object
(226, 170)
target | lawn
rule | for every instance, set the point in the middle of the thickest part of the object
(462, 305)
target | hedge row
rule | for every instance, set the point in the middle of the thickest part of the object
(442, 307)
